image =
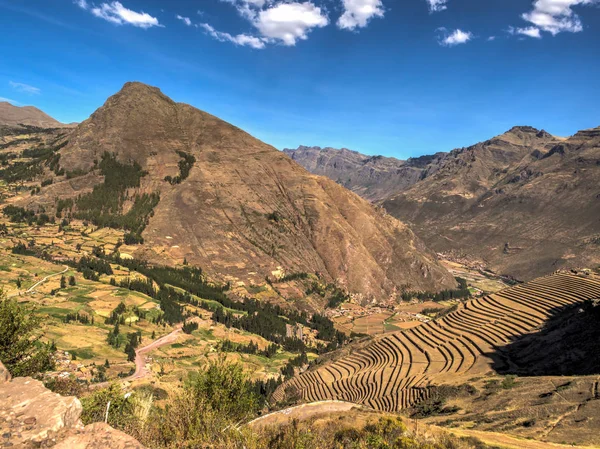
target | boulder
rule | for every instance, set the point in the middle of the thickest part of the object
(30, 413)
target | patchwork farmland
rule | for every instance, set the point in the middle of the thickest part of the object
(397, 370)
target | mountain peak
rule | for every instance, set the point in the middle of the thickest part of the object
(523, 129)
(11, 115)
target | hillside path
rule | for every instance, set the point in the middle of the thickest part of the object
(37, 284)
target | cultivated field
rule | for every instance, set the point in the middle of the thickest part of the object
(398, 370)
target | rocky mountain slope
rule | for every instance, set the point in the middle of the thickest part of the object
(372, 177)
(242, 210)
(26, 115)
(524, 202)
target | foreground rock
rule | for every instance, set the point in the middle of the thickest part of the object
(33, 416)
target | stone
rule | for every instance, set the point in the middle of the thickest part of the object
(98, 436)
(29, 412)
(4, 374)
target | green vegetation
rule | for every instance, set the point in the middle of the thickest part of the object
(185, 165)
(29, 170)
(104, 205)
(21, 349)
(335, 295)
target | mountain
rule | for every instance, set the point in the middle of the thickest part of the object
(233, 205)
(26, 115)
(525, 203)
(372, 177)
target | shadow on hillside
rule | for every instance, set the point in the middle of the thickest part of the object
(568, 344)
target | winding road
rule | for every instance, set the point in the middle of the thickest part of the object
(140, 359)
(37, 284)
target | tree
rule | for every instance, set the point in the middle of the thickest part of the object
(72, 281)
(21, 349)
(207, 412)
(63, 282)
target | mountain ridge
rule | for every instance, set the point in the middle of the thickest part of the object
(465, 201)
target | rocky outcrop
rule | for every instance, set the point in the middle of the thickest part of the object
(33, 416)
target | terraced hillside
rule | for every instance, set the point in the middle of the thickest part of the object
(398, 370)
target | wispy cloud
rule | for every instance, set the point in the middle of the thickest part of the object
(357, 13)
(25, 88)
(185, 20)
(8, 100)
(240, 39)
(118, 14)
(437, 5)
(457, 37)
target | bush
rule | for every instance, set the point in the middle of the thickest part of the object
(21, 349)
(208, 410)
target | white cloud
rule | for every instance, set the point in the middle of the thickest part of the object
(457, 37)
(529, 31)
(25, 88)
(357, 13)
(556, 16)
(116, 13)
(289, 22)
(240, 39)
(491, 38)
(437, 5)
(185, 20)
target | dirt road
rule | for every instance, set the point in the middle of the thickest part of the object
(37, 284)
(140, 359)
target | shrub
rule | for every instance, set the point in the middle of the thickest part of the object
(21, 349)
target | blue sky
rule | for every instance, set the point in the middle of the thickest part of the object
(399, 78)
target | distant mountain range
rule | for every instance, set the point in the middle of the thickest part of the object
(372, 177)
(525, 202)
(11, 115)
(234, 205)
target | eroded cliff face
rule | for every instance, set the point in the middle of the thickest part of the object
(31, 416)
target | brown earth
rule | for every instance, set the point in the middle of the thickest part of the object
(246, 210)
